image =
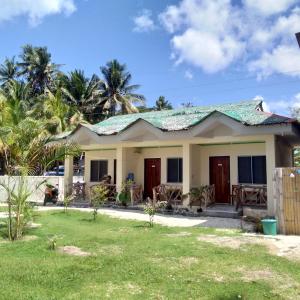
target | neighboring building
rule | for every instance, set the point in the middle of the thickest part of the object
(222, 145)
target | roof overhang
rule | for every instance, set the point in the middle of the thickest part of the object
(215, 125)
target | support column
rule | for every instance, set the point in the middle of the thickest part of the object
(270, 159)
(186, 171)
(121, 167)
(68, 176)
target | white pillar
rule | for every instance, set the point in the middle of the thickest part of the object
(68, 175)
(121, 167)
(186, 171)
(270, 159)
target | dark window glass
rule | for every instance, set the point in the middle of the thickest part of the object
(259, 169)
(99, 168)
(252, 169)
(174, 170)
(244, 169)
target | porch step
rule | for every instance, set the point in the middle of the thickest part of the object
(222, 211)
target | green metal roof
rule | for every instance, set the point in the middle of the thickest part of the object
(247, 112)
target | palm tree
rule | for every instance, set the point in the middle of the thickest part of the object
(37, 68)
(116, 91)
(8, 71)
(27, 149)
(162, 104)
(59, 115)
(15, 103)
(81, 91)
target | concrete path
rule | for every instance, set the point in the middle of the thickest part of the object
(172, 221)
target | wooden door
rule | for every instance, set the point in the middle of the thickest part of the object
(152, 175)
(219, 170)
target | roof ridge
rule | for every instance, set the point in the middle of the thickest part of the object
(181, 110)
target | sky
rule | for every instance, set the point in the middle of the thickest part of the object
(199, 51)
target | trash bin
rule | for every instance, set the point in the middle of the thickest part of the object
(269, 226)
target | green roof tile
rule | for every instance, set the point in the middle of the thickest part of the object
(246, 112)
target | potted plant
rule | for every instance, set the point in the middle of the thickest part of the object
(124, 195)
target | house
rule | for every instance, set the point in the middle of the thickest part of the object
(221, 145)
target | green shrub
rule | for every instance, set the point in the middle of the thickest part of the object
(151, 208)
(99, 196)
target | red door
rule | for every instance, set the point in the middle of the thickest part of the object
(219, 170)
(152, 175)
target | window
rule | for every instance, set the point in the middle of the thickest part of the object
(99, 168)
(252, 169)
(174, 170)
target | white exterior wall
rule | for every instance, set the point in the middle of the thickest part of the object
(34, 185)
(133, 155)
(233, 151)
(109, 155)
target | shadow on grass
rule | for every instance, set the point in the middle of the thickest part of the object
(89, 220)
(145, 225)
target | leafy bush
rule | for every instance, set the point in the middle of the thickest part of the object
(124, 195)
(52, 242)
(99, 196)
(151, 208)
(67, 201)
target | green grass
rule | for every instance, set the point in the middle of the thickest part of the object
(132, 261)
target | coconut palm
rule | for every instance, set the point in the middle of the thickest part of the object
(8, 71)
(27, 149)
(81, 91)
(116, 91)
(15, 102)
(37, 67)
(162, 104)
(60, 116)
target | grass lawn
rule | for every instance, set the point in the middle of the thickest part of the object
(132, 261)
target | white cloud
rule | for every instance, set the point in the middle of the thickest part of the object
(205, 50)
(255, 34)
(143, 22)
(282, 106)
(283, 59)
(188, 75)
(35, 10)
(269, 7)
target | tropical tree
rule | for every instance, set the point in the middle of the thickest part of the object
(27, 149)
(59, 115)
(162, 104)
(37, 68)
(81, 91)
(15, 103)
(116, 91)
(8, 71)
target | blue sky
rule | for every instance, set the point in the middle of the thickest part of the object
(197, 51)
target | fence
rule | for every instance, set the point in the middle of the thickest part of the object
(287, 199)
(36, 185)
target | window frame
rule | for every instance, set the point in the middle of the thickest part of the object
(99, 161)
(251, 169)
(178, 173)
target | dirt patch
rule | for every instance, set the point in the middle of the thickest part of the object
(73, 250)
(224, 241)
(111, 250)
(130, 288)
(28, 238)
(179, 234)
(281, 284)
(33, 225)
(188, 261)
(285, 246)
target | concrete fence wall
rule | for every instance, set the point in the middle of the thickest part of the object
(36, 184)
